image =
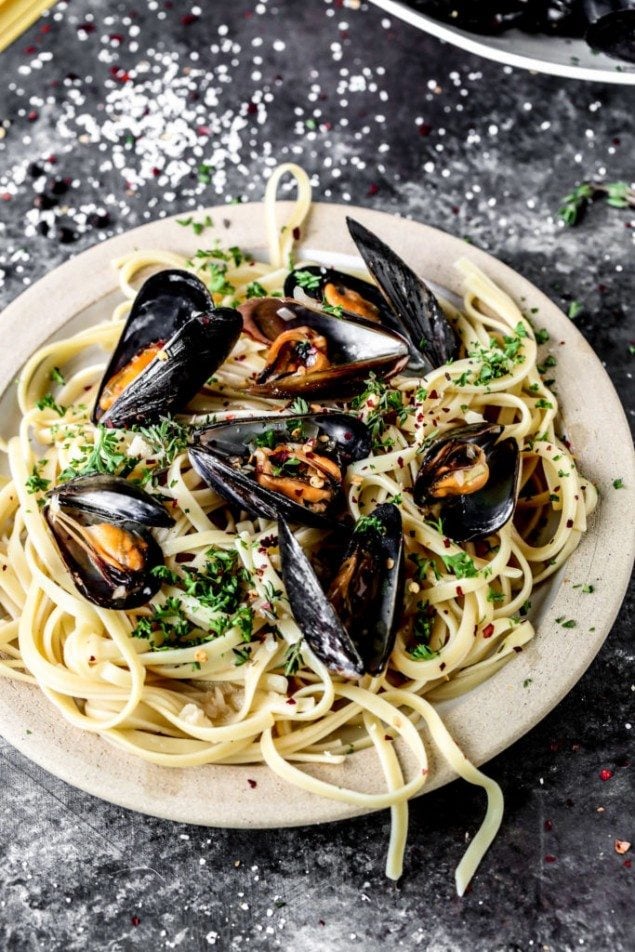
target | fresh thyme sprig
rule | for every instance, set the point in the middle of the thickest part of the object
(575, 204)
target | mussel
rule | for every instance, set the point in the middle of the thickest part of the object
(339, 290)
(471, 478)
(313, 353)
(352, 627)
(293, 465)
(173, 341)
(611, 27)
(100, 526)
(414, 308)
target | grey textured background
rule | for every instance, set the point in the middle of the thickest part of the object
(130, 102)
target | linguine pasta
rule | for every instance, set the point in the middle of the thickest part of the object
(186, 680)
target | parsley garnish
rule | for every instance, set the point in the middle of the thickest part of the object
(575, 204)
(369, 522)
(307, 280)
(388, 408)
(166, 440)
(461, 564)
(48, 402)
(197, 226)
(293, 659)
(255, 290)
(57, 376)
(575, 308)
(299, 406)
(36, 483)
(102, 456)
(421, 632)
(618, 484)
(268, 439)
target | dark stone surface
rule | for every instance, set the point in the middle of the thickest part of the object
(131, 102)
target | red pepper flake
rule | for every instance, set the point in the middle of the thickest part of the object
(46, 28)
(188, 19)
(252, 108)
(400, 462)
(291, 700)
(548, 826)
(488, 631)
(424, 129)
(373, 188)
(30, 49)
(447, 543)
(116, 38)
(33, 115)
(550, 858)
(388, 737)
(459, 590)
(433, 395)
(569, 523)
(6, 196)
(296, 234)
(252, 783)
(120, 74)
(135, 920)
(627, 863)
(86, 28)
(605, 774)
(202, 130)
(181, 557)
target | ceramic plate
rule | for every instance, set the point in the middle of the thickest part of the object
(557, 55)
(485, 721)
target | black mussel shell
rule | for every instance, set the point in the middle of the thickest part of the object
(314, 614)
(99, 524)
(432, 339)
(471, 515)
(220, 454)
(338, 289)
(172, 308)
(111, 497)
(356, 348)
(261, 319)
(611, 27)
(367, 591)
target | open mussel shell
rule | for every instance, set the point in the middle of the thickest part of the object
(314, 614)
(337, 289)
(173, 341)
(611, 27)
(223, 456)
(367, 591)
(332, 357)
(100, 526)
(472, 478)
(416, 311)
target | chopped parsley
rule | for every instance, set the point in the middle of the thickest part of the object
(618, 484)
(586, 589)
(461, 565)
(388, 407)
(335, 309)
(255, 290)
(364, 523)
(293, 659)
(36, 483)
(57, 376)
(269, 439)
(496, 361)
(48, 402)
(570, 623)
(421, 634)
(166, 439)
(198, 227)
(300, 406)
(575, 308)
(575, 204)
(105, 455)
(527, 682)
(307, 280)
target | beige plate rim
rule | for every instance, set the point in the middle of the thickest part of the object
(485, 721)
